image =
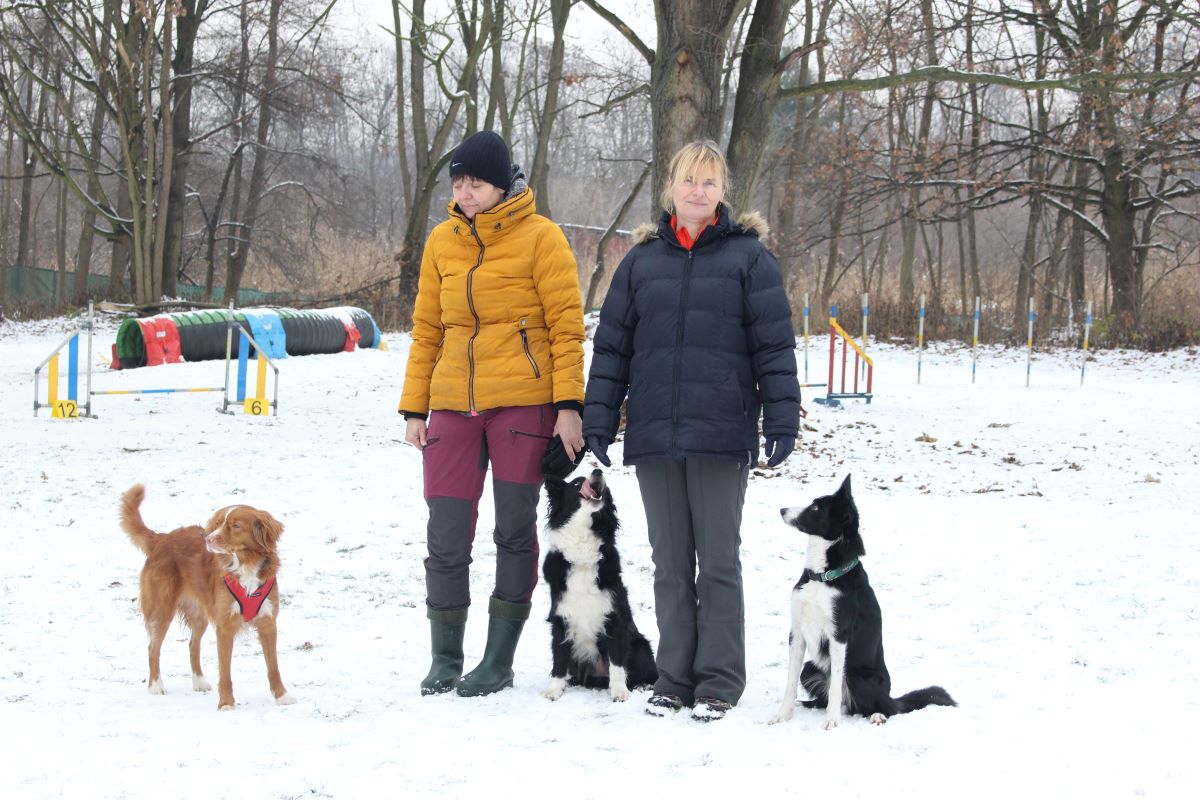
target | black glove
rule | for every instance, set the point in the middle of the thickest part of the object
(778, 448)
(599, 447)
(555, 462)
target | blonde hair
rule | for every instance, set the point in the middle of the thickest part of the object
(691, 158)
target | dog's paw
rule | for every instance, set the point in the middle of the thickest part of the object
(554, 689)
(200, 684)
(878, 719)
(156, 687)
(832, 722)
(285, 699)
(783, 715)
(225, 707)
(618, 692)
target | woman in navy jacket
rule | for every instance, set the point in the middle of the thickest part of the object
(696, 332)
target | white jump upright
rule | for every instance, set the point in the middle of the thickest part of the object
(68, 407)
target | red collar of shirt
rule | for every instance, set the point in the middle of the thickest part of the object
(684, 237)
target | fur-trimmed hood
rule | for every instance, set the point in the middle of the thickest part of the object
(748, 223)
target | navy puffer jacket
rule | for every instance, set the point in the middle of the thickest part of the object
(700, 341)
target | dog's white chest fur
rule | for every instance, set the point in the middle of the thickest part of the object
(812, 611)
(249, 578)
(812, 604)
(584, 606)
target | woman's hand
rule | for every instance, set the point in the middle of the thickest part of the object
(416, 432)
(569, 427)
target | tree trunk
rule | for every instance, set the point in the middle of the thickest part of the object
(539, 171)
(1118, 214)
(5, 216)
(1037, 176)
(401, 125)
(685, 77)
(25, 222)
(258, 173)
(972, 247)
(233, 182)
(759, 74)
(87, 229)
(912, 211)
(497, 102)
(187, 27)
(430, 154)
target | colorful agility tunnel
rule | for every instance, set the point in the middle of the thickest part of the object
(281, 332)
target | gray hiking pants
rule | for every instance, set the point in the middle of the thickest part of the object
(694, 516)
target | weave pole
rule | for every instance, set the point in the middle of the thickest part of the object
(920, 337)
(806, 337)
(975, 340)
(866, 314)
(1087, 329)
(1029, 349)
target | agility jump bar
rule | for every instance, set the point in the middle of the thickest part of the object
(69, 406)
(160, 391)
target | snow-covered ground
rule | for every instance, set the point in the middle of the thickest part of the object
(1035, 549)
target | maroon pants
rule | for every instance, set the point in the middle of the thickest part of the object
(456, 457)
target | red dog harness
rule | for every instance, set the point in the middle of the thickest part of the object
(248, 602)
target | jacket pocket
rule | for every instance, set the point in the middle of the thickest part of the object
(543, 436)
(733, 399)
(537, 373)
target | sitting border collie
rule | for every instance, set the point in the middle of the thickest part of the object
(836, 620)
(594, 641)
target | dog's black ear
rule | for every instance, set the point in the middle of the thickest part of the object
(844, 489)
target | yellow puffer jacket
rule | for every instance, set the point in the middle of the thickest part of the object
(498, 319)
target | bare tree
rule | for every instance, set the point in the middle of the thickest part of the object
(431, 51)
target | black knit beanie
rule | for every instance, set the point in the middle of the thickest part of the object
(483, 155)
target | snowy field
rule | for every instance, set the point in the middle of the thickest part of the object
(1035, 550)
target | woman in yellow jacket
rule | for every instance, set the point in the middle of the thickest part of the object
(494, 372)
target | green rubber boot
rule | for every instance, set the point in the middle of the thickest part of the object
(495, 670)
(446, 629)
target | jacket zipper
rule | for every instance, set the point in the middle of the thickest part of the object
(683, 304)
(537, 373)
(475, 314)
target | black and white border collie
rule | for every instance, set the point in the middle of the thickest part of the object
(594, 641)
(837, 622)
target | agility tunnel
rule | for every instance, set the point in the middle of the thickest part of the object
(281, 332)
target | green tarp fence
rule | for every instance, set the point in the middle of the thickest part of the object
(42, 285)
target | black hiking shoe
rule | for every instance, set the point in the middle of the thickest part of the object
(709, 709)
(661, 704)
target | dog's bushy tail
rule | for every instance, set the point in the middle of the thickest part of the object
(929, 696)
(131, 519)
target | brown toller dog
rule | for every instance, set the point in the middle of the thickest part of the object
(223, 573)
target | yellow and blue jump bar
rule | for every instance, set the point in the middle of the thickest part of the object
(162, 391)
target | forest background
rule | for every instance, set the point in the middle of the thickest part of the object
(1038, 155)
